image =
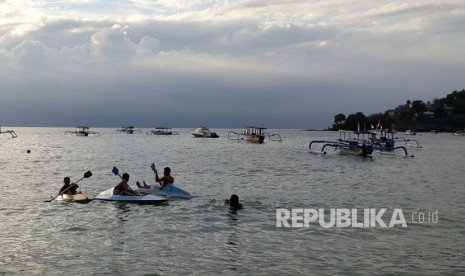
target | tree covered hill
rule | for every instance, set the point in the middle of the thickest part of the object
(445, 114)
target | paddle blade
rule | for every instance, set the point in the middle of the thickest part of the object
(88, 174)
(153, 167)
(115, 171)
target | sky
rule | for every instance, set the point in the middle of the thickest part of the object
(187, 63)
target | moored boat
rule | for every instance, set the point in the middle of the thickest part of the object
(204, 132)
(361, 143)
(410, 132)
(254, 134)
(83, 131)
(129, 130)
(358, 143)
(142, 199)
(162, 131)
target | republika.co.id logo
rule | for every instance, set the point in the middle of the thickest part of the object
(363, 218)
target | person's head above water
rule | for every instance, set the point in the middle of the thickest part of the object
(125, 177)
(234, 200)
(167, 171)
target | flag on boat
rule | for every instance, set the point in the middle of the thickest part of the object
(358, 125)
(380, 126)
(372, 127)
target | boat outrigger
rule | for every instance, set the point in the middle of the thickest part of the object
(204, 132)
(83, 131)
(162, 131)
(129, 130)
(349, 143)
(11, 132)
(254, 135)
(360, 143)
(384, 141)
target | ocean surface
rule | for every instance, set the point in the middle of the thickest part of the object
(202, 236)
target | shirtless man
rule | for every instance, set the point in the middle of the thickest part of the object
(123, 187)
(166, 179)
(68, 187)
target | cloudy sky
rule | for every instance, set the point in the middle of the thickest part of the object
(186, 63)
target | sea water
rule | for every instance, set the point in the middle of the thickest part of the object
(202, 235)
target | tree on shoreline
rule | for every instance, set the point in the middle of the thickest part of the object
(445, 114)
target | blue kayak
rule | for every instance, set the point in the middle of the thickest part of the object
(170, 190)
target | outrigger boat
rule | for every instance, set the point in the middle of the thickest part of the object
(162, 131)
(204, 132)
(254, 135)
(83, 131)
(349, 143)
(360, 143)
(11, 132)
(142, 199)
(129, 130)
(384, 141)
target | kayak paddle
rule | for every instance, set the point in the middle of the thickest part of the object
(115, 171)
(86, 175)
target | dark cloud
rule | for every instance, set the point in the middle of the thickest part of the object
(285, 69)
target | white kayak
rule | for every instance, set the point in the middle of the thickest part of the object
(78, 198)
(142, 199)
(170, 190)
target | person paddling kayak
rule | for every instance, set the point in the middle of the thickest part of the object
(123, 187)
(68, 187)
(165, 180)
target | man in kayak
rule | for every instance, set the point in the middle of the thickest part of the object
(123, 187)
(68, 187)
(165, 180)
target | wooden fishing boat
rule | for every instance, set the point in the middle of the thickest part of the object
(83, 131)
(254, 134)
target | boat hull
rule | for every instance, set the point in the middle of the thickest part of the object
(254, 139)
(78, 198)
(169, 190)
(142, 199)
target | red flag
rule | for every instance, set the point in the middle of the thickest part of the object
(372, 127)
(358, 125)
(379, 123)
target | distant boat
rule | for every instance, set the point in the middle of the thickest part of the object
(129, 130)
(254, 134)
(410, 132)
(204, 132)
(359, 143)
(459, 133)
(162, 131)
(82, 131)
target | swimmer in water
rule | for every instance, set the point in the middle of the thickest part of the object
(233, 202)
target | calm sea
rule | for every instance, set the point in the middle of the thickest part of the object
(201, 235)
